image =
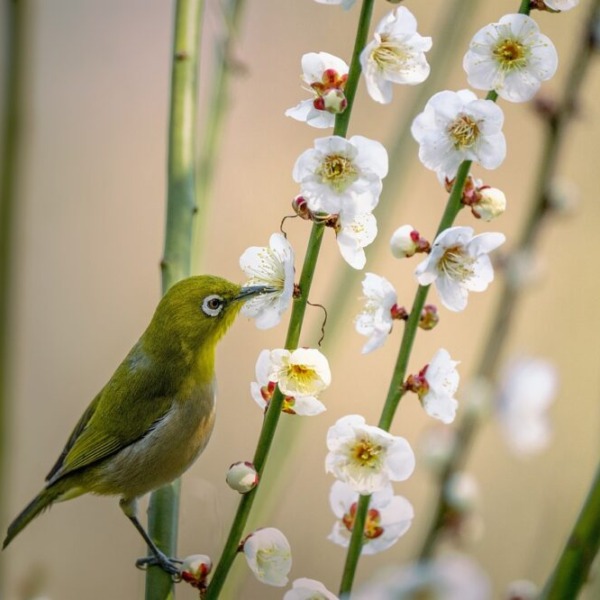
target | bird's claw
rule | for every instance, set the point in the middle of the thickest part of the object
(168, 565)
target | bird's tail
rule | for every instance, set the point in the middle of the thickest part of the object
(40, 503)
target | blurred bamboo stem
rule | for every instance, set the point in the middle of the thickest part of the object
(217, 110)
(232, 545)
(556, 123)
(10, 168)
(571, 571)
(163, 510)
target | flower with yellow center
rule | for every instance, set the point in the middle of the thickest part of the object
(365, 457)
(341, 176)
(510, 57)
(269, 556)
(457, 126)
(301, 372)
(395, 55)
(388, 518)
(459, 264)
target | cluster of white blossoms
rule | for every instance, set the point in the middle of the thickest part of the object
(365, 461)
(341, 179)
(340, 183)
(301, 375)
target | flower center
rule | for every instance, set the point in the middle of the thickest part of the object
(373, 527)
(338, 172)
(389, 56)
(511, 54)
(303, 378)
(464, 131)
(456, 264)
(367, 453)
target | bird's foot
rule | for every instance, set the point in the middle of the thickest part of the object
(168, 565)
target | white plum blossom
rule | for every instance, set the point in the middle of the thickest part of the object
(389, 517)
(308, 589)
(561, 5)
(353, 234)
(459, 264)
(403, 242)
(458, 126)
(325, 76)
(300, 372)
(396, 55)
(341, 175)
(376, 318)
(510, 57)
(367, 457)
(269, 556)
(270, 370)
(527, 390)
(272, 267)
(442, 380)
(452, 577)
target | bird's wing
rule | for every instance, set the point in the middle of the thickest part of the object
(128, 408)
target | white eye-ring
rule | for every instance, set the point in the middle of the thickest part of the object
(212, 305)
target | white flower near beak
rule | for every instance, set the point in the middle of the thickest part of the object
(272, 267)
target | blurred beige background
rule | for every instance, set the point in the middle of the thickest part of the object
(90, 234)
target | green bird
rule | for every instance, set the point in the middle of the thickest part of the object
(155, 415)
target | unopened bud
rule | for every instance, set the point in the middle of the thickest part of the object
(242, 477)
(429, 317)
(491, 203)
(195, 569)
(406, 241)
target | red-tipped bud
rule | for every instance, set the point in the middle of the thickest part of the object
(300, 207)
(195, 570)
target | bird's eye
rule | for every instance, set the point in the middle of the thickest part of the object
(212, 305)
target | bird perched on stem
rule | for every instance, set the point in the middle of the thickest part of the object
(156, 413)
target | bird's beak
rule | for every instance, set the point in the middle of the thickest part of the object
(253, 290)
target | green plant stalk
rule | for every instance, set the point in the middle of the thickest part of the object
(510, 296)
(232, 544)
(571, 571)
(163, 510)
(396, 388)
(213, 128)
(15, 36)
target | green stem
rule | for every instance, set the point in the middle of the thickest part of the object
(15, 42)
(571, 571)
(176, 264)
(510, 295)
(218, 106)
(360, 41)
(396, 388)
(294, 329)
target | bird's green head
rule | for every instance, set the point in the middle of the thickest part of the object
(194, 314)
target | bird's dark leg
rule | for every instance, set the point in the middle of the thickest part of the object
(160, 559)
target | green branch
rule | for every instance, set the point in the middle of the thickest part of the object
(163, 511)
